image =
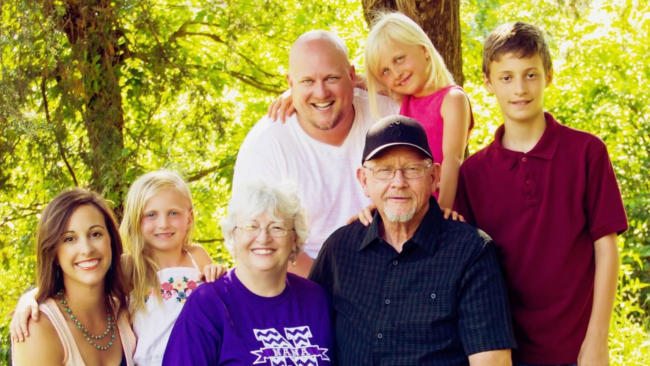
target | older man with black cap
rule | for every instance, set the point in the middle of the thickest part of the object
(412, 288)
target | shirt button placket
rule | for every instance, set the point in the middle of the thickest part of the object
(528, 179)
(385, 315)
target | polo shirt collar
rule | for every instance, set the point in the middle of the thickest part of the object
(544, 149)
(425, 235)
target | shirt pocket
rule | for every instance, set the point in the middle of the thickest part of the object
(428, 316)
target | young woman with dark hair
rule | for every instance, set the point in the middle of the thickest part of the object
(81, 289)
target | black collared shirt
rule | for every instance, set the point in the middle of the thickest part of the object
(439, 300)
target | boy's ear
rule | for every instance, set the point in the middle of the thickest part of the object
(549, 77)
(487, 83)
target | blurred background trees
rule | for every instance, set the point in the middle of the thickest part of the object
(96, 92)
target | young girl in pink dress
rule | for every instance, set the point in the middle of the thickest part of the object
(401, 61)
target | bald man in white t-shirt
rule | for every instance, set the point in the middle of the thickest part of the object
(320, 146)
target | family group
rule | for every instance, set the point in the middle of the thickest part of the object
(362, 235)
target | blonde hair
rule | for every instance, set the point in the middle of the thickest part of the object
(144, 265)
(389, 28)
(255, 198)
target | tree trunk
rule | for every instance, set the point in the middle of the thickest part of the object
(440, 20)
(92, 28)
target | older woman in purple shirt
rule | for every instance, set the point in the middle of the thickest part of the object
(257, 313)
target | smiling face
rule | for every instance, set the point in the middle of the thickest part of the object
(84, 250)
(322, 84)
(166, 219)
(405, 69)
(518, 84)
(262, 253)
(399, 199)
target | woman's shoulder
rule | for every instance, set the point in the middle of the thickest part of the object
(211, 291)
(43, 344)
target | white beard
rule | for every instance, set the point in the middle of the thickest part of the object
(399, 216)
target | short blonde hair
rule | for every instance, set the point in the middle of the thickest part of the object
(144, 264)
(389, 27)
(256, 198)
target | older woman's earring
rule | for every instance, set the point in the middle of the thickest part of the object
(293, 261)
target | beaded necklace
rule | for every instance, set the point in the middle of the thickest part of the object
(89, 337)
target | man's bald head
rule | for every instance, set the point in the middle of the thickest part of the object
(318, 37)
(322, 82)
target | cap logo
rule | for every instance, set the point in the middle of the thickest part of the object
(396, 128)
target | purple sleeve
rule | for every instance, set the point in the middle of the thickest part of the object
(604, 205)
(193, 341)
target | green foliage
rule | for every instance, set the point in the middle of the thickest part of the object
(629, 343)
(179, 83)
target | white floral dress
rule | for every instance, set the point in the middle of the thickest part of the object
(153, 327)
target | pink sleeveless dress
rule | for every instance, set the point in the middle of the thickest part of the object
(71, 354)
(426, 110)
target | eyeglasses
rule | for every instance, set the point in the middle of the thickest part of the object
(411, 171)
(274, 230)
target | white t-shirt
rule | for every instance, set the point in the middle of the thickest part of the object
(325, 175)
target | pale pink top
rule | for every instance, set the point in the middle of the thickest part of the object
(426, 110)
(71, 354)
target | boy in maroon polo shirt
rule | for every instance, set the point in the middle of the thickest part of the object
(548, 197)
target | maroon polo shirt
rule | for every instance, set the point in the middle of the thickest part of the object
(544, 210)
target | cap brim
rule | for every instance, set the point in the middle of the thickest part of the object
(383, 147)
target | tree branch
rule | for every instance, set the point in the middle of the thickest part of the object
(56, 135)
(153, 33)
(202, 173)
(247, 79)
(213, 37)
(31, 210)
(182, 32)
(205, 241)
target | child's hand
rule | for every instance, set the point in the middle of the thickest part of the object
(212, 272)
(594, 352)
(360, 82)
(446, 212)
(26, 307)
(282, 107)
(365, 215)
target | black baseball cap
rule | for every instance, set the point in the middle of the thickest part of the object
(395, 131)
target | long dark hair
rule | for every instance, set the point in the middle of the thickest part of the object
(53, 223)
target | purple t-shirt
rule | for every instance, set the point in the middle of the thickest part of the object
(223, 323)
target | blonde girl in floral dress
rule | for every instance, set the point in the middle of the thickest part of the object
(157, 232)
